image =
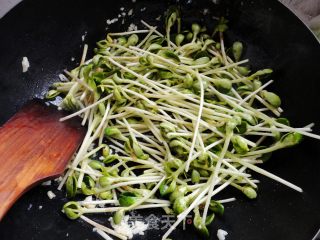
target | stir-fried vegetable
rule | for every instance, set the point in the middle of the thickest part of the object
(172, 121)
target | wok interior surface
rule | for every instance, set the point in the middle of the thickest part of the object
(49, 34)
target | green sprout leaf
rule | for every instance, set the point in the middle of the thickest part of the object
(222, 26)
(210, 218)
(249, 192)
(195, 176)
(51, 94)
(106, 181)
(167, 187)
(271, 98)
(87, 185)
(237, 49)
(261, 73)
(216, 207)
(127, 199)
(284, 121)
(180, 191)
(180, 204)
(118, 216)
(169, 55)
(198, 223)
(71, 186)
(239, 144)
(291, 139)
(72, 210)
(107, 195)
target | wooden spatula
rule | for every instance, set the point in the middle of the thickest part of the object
(34, 146)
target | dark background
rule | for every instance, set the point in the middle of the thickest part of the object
(49, 34)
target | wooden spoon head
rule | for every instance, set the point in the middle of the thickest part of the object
(34, 146)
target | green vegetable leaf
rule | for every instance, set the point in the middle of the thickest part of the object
(169, 55)
(222, 26)
(127, 199)
(198, 224)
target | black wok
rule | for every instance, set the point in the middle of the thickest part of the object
(49, 34)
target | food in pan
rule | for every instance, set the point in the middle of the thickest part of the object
(172, 120)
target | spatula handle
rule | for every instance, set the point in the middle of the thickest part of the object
(34, 146)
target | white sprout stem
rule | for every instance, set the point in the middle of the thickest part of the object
(236, 94)
(227, 200)
(121, 184)
(260, 140)
(80, 81)
(237, 172)
(89, 154)
(250, 143)
(224, 55)
(220, 188)
(140, 201)
(215, 174)
(88, 140)
(154, 144)
(84, 54)
(207, 148)
(102, 234)
(277, 124)
(84, 171)
(116, 202)
(196, 128)
(151, 31)
(114, 209)
(260, 134)
(140, 96)
(157, 32)
(269, 106)
(103, 228)
(128, 33)
(255, 92)
(101, 125)
(82, 150)
(265, 129)
(114, 194)
(225, 67)
(269, 175)
(85, 118)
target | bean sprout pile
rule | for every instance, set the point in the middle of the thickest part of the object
(172, 120)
